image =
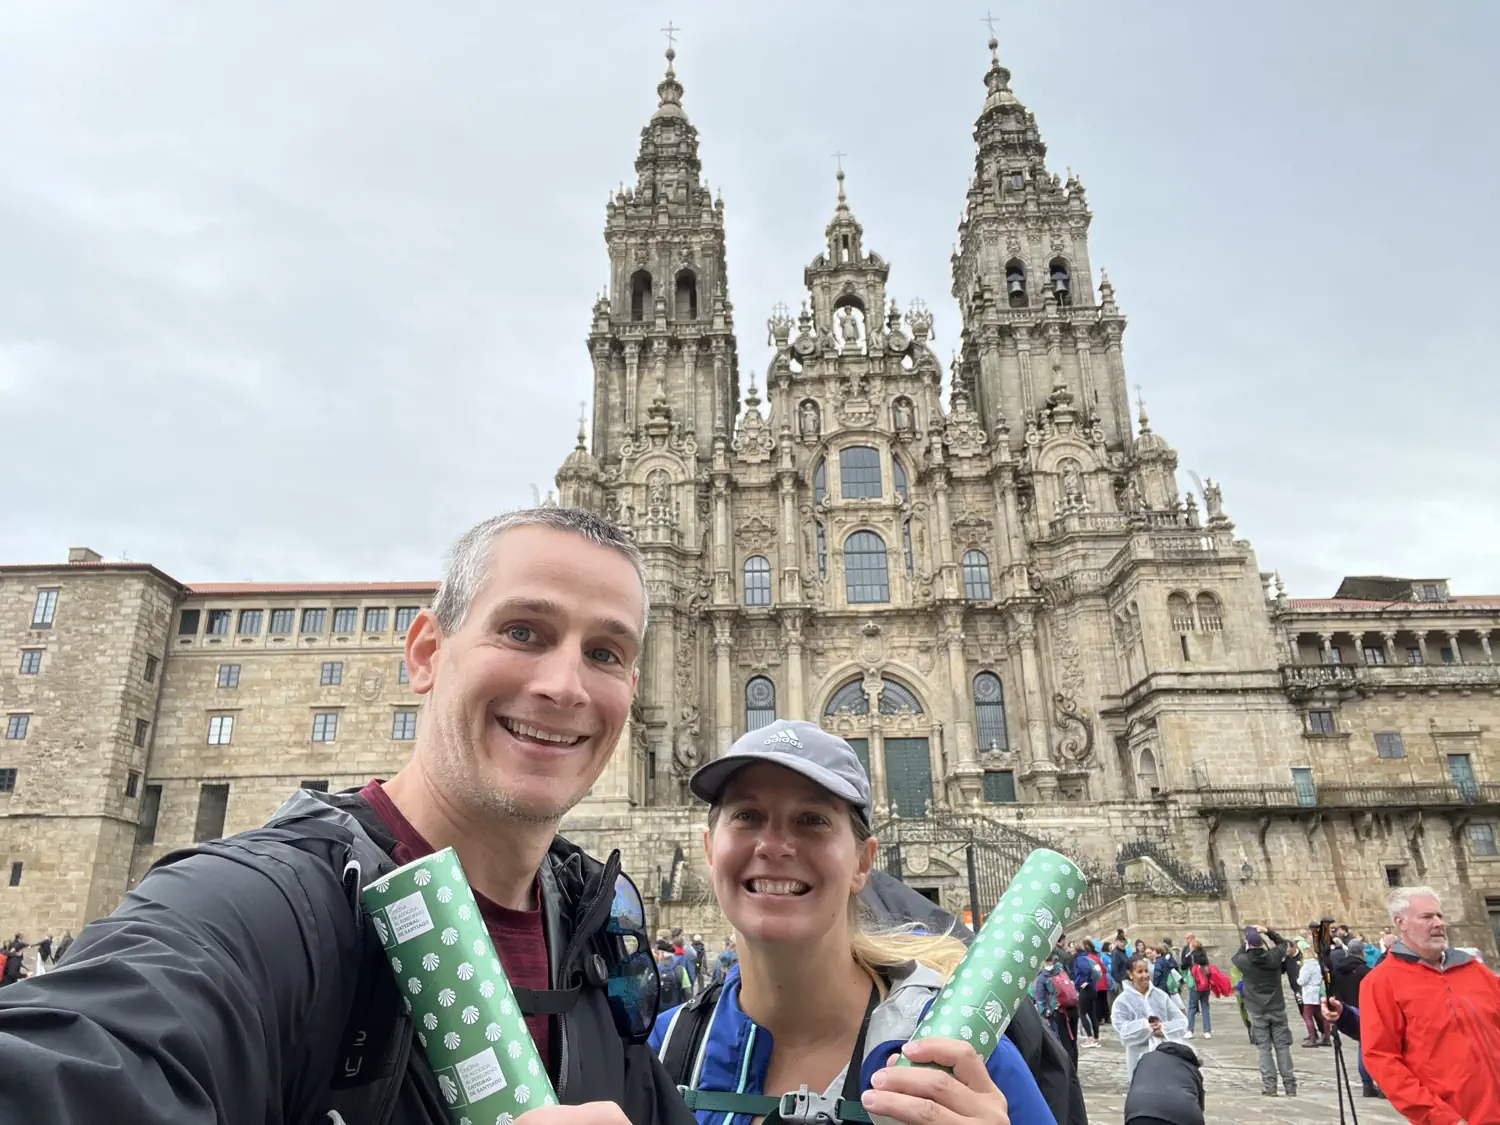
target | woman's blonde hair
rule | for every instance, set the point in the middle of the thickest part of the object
(875, 948)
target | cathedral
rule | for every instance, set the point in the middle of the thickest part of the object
(987, 580)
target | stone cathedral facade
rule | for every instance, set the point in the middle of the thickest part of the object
(985, 577)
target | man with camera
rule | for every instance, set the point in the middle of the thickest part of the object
(1261, 963)
(1430, 1021)
(236, 985)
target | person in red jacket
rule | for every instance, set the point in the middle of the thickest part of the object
(1430, 1021)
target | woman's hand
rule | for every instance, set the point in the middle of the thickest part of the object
(917, 1095)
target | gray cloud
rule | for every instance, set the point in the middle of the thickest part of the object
(298, 292)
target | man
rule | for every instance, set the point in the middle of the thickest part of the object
(63, 946)
(727, 959)
(236, 984)
(14, 969)
(1260, 963)
(1430, 1021)
(44, 949)
(1145, 1016)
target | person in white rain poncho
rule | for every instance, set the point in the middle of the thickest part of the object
(1145, 1017)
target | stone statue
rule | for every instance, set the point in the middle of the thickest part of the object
(659, 489)
(1072, 479)
(849, 327)
(809, 415)
(904, 421)
(1213, 500)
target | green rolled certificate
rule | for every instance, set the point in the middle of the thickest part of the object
(980, 998)
(466, 1017)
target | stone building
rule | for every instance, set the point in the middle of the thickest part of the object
(987, 579)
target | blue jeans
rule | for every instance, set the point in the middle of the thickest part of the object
(1196, 1001)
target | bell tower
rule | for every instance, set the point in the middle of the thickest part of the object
(1023, 281)
(662, 337)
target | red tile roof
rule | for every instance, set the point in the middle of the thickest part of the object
(286, 589)
(1354, 605)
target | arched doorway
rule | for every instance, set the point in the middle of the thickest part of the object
(898, 732)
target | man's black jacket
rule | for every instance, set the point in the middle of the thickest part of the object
(1167, 1087)
(238, 985)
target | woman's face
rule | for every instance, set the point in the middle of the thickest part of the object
(783, 857)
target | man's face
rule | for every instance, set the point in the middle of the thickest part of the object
(1421, 927)
(528, 697)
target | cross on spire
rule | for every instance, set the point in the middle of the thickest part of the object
(989, 19)
(671, 33)
(839, 156)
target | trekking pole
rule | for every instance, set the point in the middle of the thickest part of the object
(1323, 950)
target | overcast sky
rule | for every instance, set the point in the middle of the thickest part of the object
(295, 291)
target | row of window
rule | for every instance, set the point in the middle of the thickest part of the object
(1375, 654)
(325, 727)
(331, 674)
(866, 573)
(1209, 618)
(217, 622)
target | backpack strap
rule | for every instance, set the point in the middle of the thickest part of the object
(685, 1034)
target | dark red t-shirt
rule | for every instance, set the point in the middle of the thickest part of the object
(520, 941)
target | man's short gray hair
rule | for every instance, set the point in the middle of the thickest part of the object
(1400, 900)
(468, 562)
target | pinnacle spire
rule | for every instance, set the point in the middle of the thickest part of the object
(669, 91)
(1140, 402)
(582, 412)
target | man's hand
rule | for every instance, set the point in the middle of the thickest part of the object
(1332, 1009)
(923, 1096)
(589, 1113)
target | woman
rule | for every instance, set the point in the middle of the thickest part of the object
(1198, 994)
(1145, 1016)
(817, 1002)
(1092, 983)
(1310, 992)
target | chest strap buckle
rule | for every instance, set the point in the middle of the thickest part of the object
(801, 1107)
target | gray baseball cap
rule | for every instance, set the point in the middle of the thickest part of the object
(823, 758)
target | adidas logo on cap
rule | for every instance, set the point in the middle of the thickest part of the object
(784, 738)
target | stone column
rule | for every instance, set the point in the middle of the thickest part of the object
(1036, 760)
(942, 536)
(1085, 370)
(1389, 641)
(723, 583)
(1326, 640)
(1023, 362)
(1422, 645)
(791, 642)
(723, 643)
(690, 386)
(966, 772)
(1296, 646)
(791, 586)
(632, 377)
(875, 740)
(1114, 330)
(1458, 655)
(1484, 643)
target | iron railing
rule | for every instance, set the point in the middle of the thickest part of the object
(1416, 795)
(1192, 882)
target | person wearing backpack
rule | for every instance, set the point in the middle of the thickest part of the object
(1057, 1001)
(238, 983)
(818, 1003)
(1196, 961)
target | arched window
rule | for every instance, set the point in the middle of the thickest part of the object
(640, 295)
(1181, 612)
(820, 481)
(1147, 782)
(865, 576)
(1061, 281)
(859, 472)
(757, 580)
(900, 475)
(895, 699)
(686, 304)
(906, 542)
(1015, 284)
(976, 566)
(760, 703)
(989, 712)
(1209, 618)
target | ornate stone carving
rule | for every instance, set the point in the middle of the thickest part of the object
(1076, 747)
(755, 534)
(963, 435)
